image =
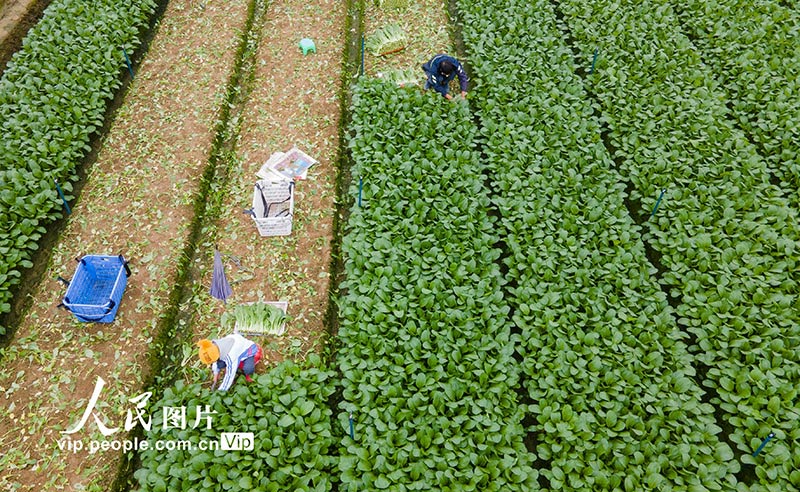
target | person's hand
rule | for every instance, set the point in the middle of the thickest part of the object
(448, 97)
(464, 94)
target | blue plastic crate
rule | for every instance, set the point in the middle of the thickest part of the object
(95, 291)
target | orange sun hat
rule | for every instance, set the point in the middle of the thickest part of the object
(209, 352)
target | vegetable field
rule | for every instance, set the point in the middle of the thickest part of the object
(608, 373)
(582, 277)
(642, 373)
(728, 236)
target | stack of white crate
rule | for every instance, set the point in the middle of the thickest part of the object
(273, 194)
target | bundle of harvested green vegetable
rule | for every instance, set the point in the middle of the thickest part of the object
(387, 39)
(402, 77)
(257, 317)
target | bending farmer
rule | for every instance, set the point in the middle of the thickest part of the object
(232, 353)
(441, 69)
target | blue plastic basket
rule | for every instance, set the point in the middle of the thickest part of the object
(94, 293)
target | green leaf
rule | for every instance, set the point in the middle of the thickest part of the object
(286, 399)
(774, 405)
(306, 407)
(723, 452)
(286, 421)
(682, 385)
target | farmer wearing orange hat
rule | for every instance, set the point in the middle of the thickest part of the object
(232, 353)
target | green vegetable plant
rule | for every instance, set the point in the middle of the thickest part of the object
(402, 77)
(53, 97)
(285, 410)
(425, 344)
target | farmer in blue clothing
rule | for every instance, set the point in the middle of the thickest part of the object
(441, 69)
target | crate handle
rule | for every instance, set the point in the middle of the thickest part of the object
(110, 307)
(125, 264)
(268, 205)
(63, 304)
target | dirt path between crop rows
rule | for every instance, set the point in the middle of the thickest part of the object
(295, 101)
(136, 202)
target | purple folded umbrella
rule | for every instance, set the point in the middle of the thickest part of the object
(220, 287)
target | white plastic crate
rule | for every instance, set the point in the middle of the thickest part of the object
(273, 207)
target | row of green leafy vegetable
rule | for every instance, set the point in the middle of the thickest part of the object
(53, 97)
(426, 352)
(388, 296)
(615, 405)
(753, 50)
(727, 237)
(286, 410)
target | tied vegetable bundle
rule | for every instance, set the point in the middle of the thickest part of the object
(387, 39)
(257, 317)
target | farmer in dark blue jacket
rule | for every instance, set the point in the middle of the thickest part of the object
(441, 69)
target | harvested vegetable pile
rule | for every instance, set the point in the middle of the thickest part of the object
(402, 77)
(257, 317)
(387, 39)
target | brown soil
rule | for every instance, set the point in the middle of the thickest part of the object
(137, 202)
(16, 17)
(295, 101)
